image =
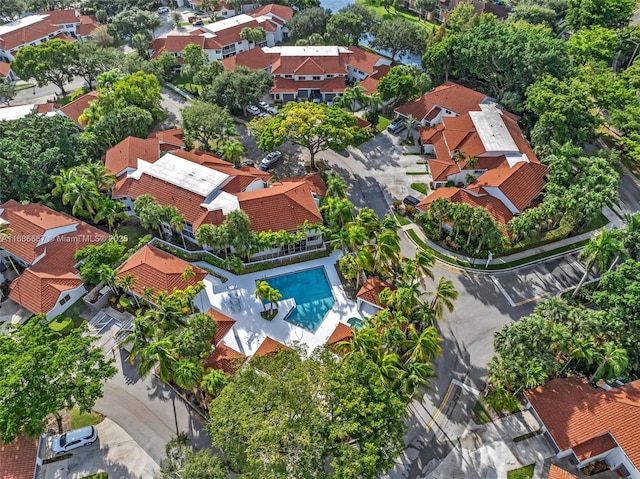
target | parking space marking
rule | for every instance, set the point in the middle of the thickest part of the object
(504, 293)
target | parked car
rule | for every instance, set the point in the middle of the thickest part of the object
(269, 160)
(411, 200)
(198, 23)
(163, 10)
(397, 125)
(272, 110)
(73, 439)
(247, 163)
(264, 105)
(253, 110)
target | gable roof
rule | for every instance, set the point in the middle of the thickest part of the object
(18, 459)
(314, 180)
(269, 346)
(496, 208)
(126, 153)
(153, 268)
(75, 109)
(38, 287)
(24, 31)
(172, 139)
(88, 23)
(225, 359)
(224, 324)
(362, 59)
(61, 17)
(450, 96)
(372, 288)
(341, 333)
(282, 11)
(280, 207)
(255, 58)
(574, 413)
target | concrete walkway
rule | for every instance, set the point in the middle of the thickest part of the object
(614, 222)
(490, 452)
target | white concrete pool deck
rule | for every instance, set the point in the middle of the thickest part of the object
(251, 329)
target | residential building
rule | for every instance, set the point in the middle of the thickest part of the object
(205, 189)
(444, 8)
(479, 155)
(557, 473)
(369, 292)
(340, 334)
(74, 110)
(18, 459)
(155, 271)
(584, 423)
(35, 29)
(10, 113)
(44, 242)
(221, 39)
(318, 73)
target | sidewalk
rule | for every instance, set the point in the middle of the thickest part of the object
(614, 222)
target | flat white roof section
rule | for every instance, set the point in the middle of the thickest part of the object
(492, 131)
(313, 51)
(10, 113)
(20, 23)
(223, 201)
(183, 173)
(228, 23)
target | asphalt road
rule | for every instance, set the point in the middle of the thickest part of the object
(45, 93)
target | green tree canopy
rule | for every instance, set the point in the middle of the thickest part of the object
(316, 127)
(206, 123)
(48, 62)
(400, 36)
(592, 44)
(132, 20)
(110, 253)
(403, 83)
(534, 14)
(236, 89)
(93, 60)
(604, 13)
(44, 373)
(308, 22)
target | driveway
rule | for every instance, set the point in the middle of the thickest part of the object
(115, 452)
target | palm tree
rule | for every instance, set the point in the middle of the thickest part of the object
(213, 382)
(339, 212)
(601, 251)
(415, 374)
(581, 348)
(5, 231)
(410, 123)
(425, 6)
(232, 151)
(99, 175)
(353, 97)
(385, 250)
(127, 282)
(337, 186)
(143, 333)
(443, 297)
(439, 211)
(422, 346)
(159, 355)
(176, 222)
(613, 362)
(110, 211)
(631, 235)
(188, 373)
(262, 293)
(76, 190)
(91, 114)
(273, 297)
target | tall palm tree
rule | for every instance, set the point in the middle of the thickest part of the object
(188, 373)
(127, 282)
(99, 175)
(409, 123)
(353, 97)
(232, 151)
(159, 354)
(613, 362)
(415, 374)
(385, 250)
(262, 293)
(600, 251)
(581, 348)
(110, 211)
(631, 235)
(443, 297)
(422, 346)
(143, 333)
(339, 212)
(337, 186)
(176, 222)
(273, 297)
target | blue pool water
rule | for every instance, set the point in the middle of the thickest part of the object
(312, 292)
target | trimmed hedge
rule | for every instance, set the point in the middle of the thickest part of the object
(62, 326)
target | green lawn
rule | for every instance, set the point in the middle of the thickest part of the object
(133, 233)
(399, 12)
(99, 475)
(402, 220)
(420, 188)
(81, 419)
(525, 472)
(74, 312)
(383, 123)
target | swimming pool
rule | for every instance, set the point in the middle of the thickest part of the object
(312, 292)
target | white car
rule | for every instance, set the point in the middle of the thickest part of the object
(73, 439)
(253, 110)
(163, 10)
(269, 160)
(264, 105)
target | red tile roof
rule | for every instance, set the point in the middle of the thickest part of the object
(170, 140)
(18, 459)
(594, 447)
(281, 11)
(362, 59)
(314, 180)
(575, 412)
(372, 288)
(255, 59)
(225, 359)
(494, 206)
(27, 34)
(5, 69)
(309, 67)
(159, 270)
(38, 288)
(556, 473)
(224, 324)
(62, 17)
(75, 109)
(341, 333)
(281, 207)
(88, 24)
(520, 184)
(450, 96)
(269, 346)
(289, 85)
(126, 153)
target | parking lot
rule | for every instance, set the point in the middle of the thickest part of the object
(114, 452)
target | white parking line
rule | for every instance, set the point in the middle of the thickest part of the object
(504, 293)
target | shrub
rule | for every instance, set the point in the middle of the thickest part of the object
(62, 326)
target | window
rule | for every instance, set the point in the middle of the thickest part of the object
(66, 298)
(288, 76)
(330, 75)
(302, 78)
(317, 78)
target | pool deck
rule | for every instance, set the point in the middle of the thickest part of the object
(238, 301)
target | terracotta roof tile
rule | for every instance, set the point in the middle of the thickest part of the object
(224, 324)
(520, 183)
(282, 11)
(372, 288)
(449, 95)
(38, 288)
(362, 59)
(281, 207)
(575, 412)
(269, 346)
(362, 123)
(370, 85)
(556, 473)
(332, 85)
(5, 69)
(27, 34)
(594, 447)
(341, 333)
(75, 109)
(88, 24)
(255, 59)
(309, 67)
(18, 459)
(159, 270)
(126, 153)
(314, 180)
(173, 138)
(62, 17)
(494, 206)
(225, 359)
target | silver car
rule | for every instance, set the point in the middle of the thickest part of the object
(269, 160)
(73, 439)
